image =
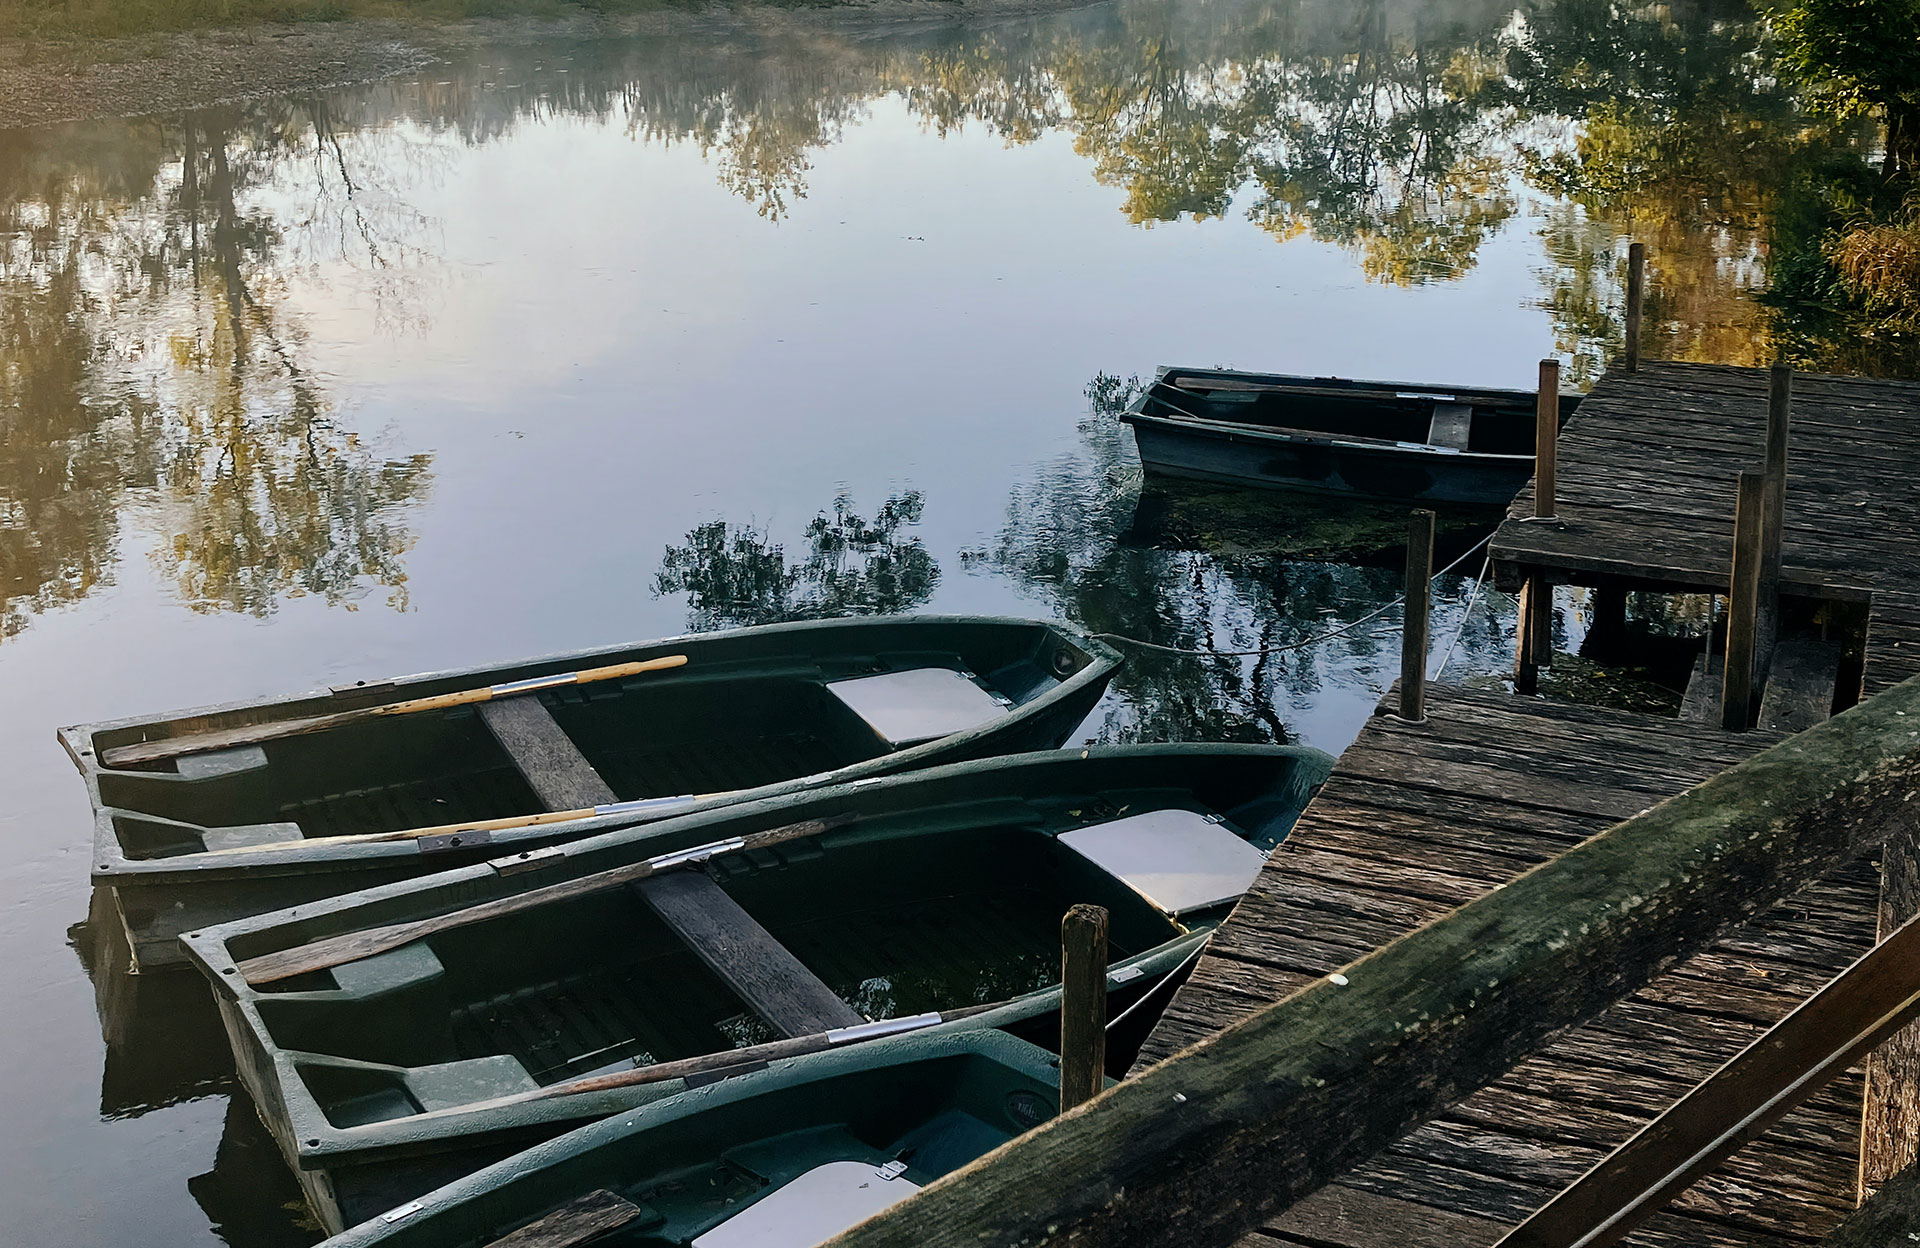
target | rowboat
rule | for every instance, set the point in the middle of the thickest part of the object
(1377, 439)
(217, 814)
(399, 1038)
(789, 1155)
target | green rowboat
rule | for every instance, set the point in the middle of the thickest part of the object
(218, 814)
(780, 1158)
(402, 1037)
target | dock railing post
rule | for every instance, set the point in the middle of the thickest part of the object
(1743, 602)
(1546, 439)
(1636, 296)
(1774, 515)
(1419, 613)
(1083, 1004)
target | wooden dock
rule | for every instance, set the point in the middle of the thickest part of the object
(1421, 818)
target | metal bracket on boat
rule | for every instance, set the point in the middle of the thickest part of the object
(885, 1027)
(403, 1212)
(527, 860)
(699, 853)
(1127, 974)
(534, 682)
(453, 840)
(892, 1170)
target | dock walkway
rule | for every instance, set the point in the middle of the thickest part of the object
(1421, 818)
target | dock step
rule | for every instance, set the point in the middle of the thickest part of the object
(1701, 705)
(1801, 684)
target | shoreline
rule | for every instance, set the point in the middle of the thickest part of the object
(43, 83)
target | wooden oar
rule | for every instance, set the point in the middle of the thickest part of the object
(254, 734)
(352, 946)
(754, 1056)
(483, 825)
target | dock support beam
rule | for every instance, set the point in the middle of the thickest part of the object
(1743, 603)
(1083, 1005)
(1546, 440)
(1419, 617)
(1636, 296)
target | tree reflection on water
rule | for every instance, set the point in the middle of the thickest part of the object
(148, 367)
(735, 575)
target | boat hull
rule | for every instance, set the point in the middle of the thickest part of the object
(936, 1101)
(309, 802)
(1193, 451)
(941, 890)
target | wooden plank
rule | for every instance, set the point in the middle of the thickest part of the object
(575, 1222)
(746, 957)
(560, 775)
(1890, 1119)
(1345, 1066)
(1800, 686)
(1891, 1217)
(1355, 1218)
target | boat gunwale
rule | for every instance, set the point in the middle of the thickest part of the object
(111, 863)
(1231, 430)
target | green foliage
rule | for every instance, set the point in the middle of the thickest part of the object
(1858, 57)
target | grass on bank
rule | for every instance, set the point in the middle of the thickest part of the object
(100, 19)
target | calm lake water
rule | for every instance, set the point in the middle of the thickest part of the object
(572, 343)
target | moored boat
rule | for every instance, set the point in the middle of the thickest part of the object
(401, 1037)
(215, 814)
(1387, 440)
(789, 1155)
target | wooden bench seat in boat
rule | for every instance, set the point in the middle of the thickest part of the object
(745, 956)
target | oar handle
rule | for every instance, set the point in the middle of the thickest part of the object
(586, 676)
(277, 730)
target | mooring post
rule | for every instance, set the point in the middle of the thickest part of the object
(1419, 617)
(1636, 296)
(1533, 648)
(1083, 1004)
(1743, 602)
(1546, 439)
(1774, 518)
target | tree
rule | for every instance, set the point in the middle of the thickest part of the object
(1858, 57)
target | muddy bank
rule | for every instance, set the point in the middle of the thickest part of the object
(42, 83)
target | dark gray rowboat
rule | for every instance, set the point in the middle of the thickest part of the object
(1377, 439)
(400, 1038)
(786, 1156)
(202, 837)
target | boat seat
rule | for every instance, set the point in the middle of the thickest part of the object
(1451, 427)
(220, 762)
(759, 969)
(453, 1085)
(813, 1208)
(1180, 860)
(247, 835)
(579, 1220)
(919, 704)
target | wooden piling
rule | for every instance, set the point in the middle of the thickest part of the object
(1534, 647)
(1743, 602)
(1774, 514)
(1890, 1117)
(1419, 617)
(1636, 297)
(1546, 439)
(1083, 1004)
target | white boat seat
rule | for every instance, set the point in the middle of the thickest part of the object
(1179, 860)
(920, 704)
(813, 1208)
(1452, 424)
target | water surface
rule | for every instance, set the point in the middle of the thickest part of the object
(577, 342)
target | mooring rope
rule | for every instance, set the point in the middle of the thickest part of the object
(1309, 643)
(1485, 566)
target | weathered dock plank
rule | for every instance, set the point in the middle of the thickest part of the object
(1418, 820)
